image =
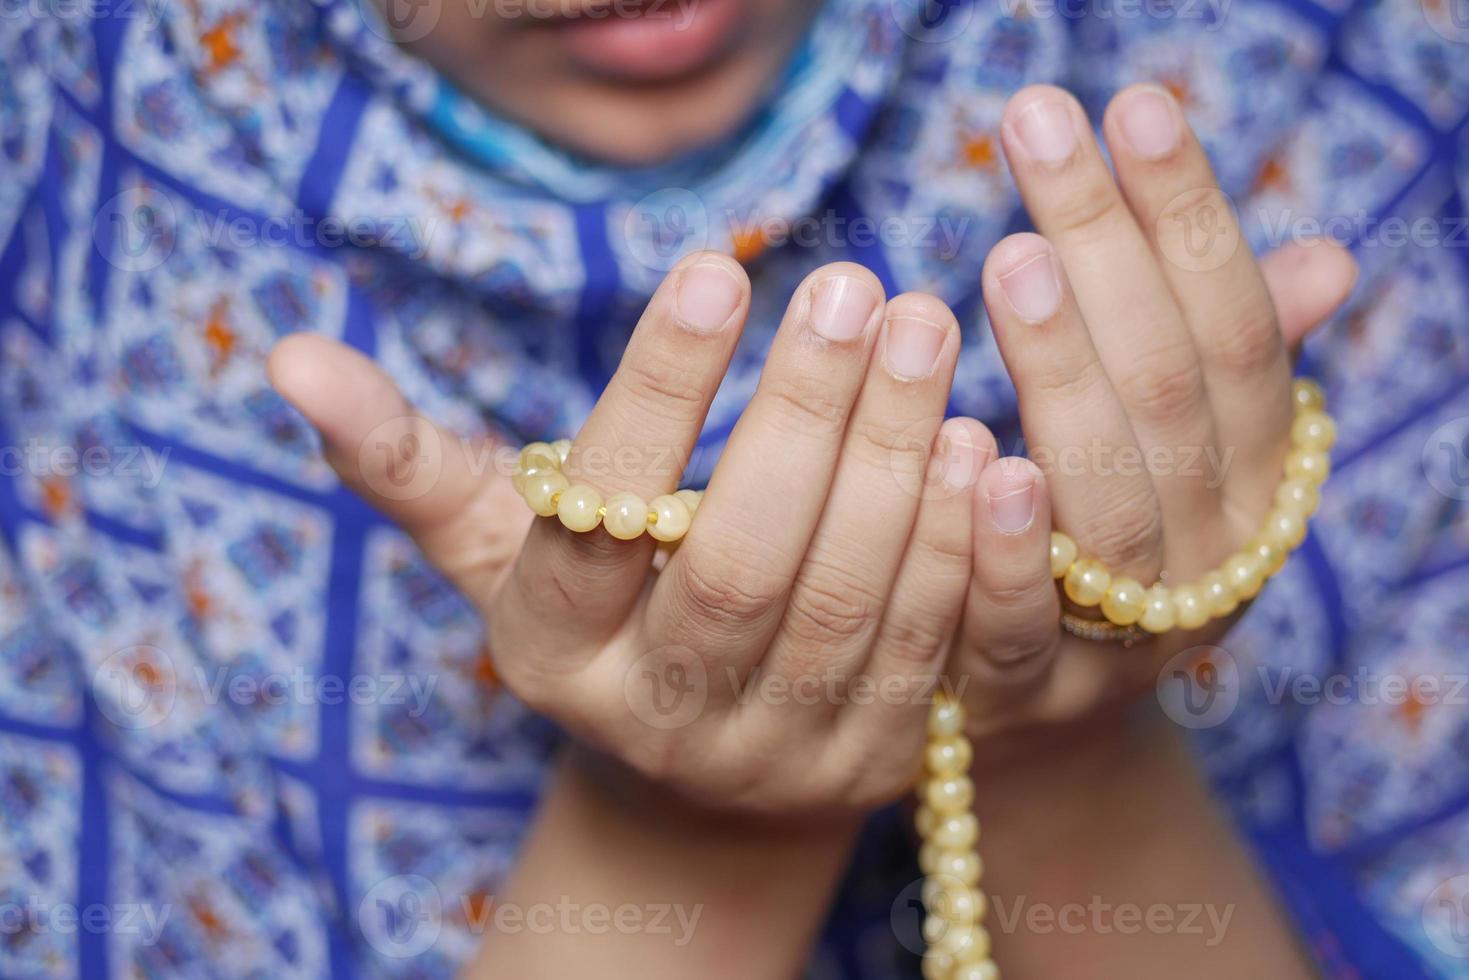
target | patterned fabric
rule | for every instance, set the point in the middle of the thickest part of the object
(238, 713)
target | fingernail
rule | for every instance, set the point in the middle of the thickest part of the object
(1032, 288)
(1046, 130)
(955, 457)
(1149, 124)
(1013, 511)
(707, 296)
(841, 308)
(911, 350)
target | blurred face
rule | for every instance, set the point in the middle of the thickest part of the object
(628, 81)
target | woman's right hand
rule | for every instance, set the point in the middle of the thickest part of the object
(785, 658)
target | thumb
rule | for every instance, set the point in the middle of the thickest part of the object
(1308, 282)
(453, 497)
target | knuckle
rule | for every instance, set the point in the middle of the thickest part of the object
(733, 594)
(885, 443)
(1189, 206)
(1091, 213)
(828, 606)
(1079, 382)
(1249, 343)
(809, 406)
(656, 388)
(914, 639)
(1165, 385)
(1125, 531)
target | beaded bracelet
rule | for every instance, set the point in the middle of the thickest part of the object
(1127, 603)
(546, 489)
(953, 928)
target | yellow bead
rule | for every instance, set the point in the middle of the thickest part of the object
(1218, 594)
(1125, 602)
(1159, 616)
(1063, 553)
(928, 857)
(578, 507)
(626, 517)
(949, 756)
(956, 832)
(949, 795)
(537, 466)
(958, 906)
(936, 890)
(691, 499)
(983, 970)
(671, 518)
(1271, 555)
(969, 944)
(1299, 496)
(924, 819)
(1313, 430)
(964, 866)
(542, 489)
(1190, 607)
(1087, 581)
(945, 719)
(937, 965)
(935, 928)
(1245, 573)
(1308, 395)
(1308, 465)
(562, 449)
(1284, 529)
(537, 449)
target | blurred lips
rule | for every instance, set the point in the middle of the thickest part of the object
(651, 40)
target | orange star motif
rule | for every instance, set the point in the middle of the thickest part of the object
(978, 152)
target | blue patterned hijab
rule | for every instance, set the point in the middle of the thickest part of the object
(184, 184)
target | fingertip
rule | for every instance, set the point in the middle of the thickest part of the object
(1011, 495)
(1308, 282)
(962, 450)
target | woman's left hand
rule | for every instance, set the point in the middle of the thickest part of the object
(1152, 357)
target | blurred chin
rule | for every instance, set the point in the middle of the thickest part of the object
(642, 127)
